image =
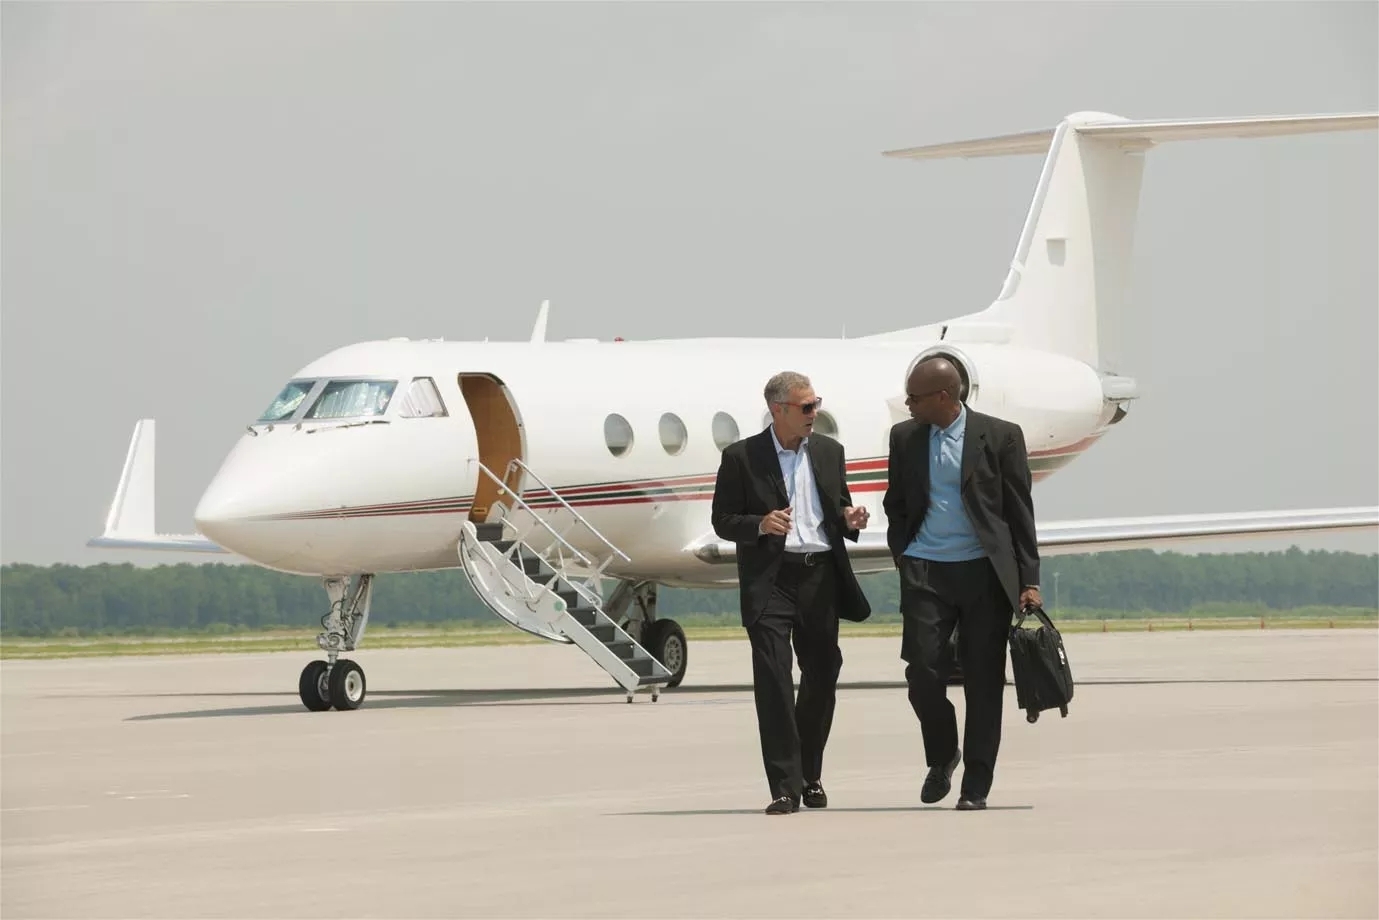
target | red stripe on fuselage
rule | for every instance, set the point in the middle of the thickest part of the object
(596, 495)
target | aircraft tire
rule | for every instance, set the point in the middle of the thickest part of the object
(347, 685)
(312, 687)
(667, 644)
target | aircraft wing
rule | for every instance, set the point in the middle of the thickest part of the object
(1058, 538)
(129, 524)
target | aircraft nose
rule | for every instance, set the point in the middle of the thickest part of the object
(239, 507)
(227, 514)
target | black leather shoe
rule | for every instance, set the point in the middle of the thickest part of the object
(939, 781)
(783, 805)
(971, 803)
(814, 796)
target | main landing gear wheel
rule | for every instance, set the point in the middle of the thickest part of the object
(665, 640)
(314, 686)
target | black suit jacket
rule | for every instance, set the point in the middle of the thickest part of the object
(749, 486)
(995, 491)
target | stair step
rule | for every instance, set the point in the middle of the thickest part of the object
(623, 648)
(653, 679)
(489, 532)
(604, 633)
(642, 666)
(570, 596)
(532, 567)
(584, 616)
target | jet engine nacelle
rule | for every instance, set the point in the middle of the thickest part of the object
(1057, 400)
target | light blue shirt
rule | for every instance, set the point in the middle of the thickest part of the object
(807, 511)
(946, 534)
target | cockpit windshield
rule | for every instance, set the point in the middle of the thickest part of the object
(353, 399)
(287, 401)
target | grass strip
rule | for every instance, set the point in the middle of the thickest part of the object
(475, 636)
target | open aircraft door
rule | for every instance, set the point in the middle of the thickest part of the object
(501, 439)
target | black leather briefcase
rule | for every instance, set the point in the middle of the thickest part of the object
(1043, 677)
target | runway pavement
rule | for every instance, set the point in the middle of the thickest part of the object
(1205, 774)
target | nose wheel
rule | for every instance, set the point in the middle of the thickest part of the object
(339, 682)
(341, 685)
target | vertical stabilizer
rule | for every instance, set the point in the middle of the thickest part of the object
(1069, 283)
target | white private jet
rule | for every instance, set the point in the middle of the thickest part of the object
(404, 456)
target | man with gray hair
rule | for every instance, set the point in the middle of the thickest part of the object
(782, 497)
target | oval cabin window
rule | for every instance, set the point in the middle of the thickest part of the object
(824, 424)
(724, 430)
(617, 433)
(673, 434)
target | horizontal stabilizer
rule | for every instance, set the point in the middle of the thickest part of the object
(130, 522)
(1145, 133)
(1160, 532)
(1060, 538)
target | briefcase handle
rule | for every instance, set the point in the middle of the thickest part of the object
(1038, 612)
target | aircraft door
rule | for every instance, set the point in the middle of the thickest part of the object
(500, 437)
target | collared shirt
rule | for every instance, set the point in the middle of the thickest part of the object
(807, 515)
(946, 534)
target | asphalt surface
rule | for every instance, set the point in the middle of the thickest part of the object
(1197, 775)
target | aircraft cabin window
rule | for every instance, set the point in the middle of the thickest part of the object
(422, 400)
(287, 401)
(617, 433)
(724, 430)
(673, 434)
(353, 399)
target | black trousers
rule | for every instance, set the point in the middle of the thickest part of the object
(802, 611)
(935, 596)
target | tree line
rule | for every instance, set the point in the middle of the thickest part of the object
(104, 599)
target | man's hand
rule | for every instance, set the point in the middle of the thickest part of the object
(856, 518)
(776, 522)
(1030, 598)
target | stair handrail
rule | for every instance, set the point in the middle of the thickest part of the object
(517, 463)
(505, 488)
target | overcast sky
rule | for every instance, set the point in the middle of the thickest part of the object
(198, 199)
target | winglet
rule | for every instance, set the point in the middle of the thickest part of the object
(538, 333)
(130, 522)
(132, 511)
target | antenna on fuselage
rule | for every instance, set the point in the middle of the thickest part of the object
(538, 333)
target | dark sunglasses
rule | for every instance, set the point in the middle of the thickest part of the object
(808, 408)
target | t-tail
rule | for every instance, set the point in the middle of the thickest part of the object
(1069, 283)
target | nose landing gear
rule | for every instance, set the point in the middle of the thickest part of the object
(341, 685)
(339, 682)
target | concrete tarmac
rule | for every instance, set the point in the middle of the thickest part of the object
(1205, 774)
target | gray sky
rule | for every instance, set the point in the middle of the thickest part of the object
(198, 199)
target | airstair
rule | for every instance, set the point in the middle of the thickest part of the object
(524, 568)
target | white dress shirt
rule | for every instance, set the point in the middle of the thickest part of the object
(802, 492)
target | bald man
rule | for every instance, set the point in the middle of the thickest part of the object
(961, 530)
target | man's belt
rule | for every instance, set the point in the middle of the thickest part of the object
(818, 557)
